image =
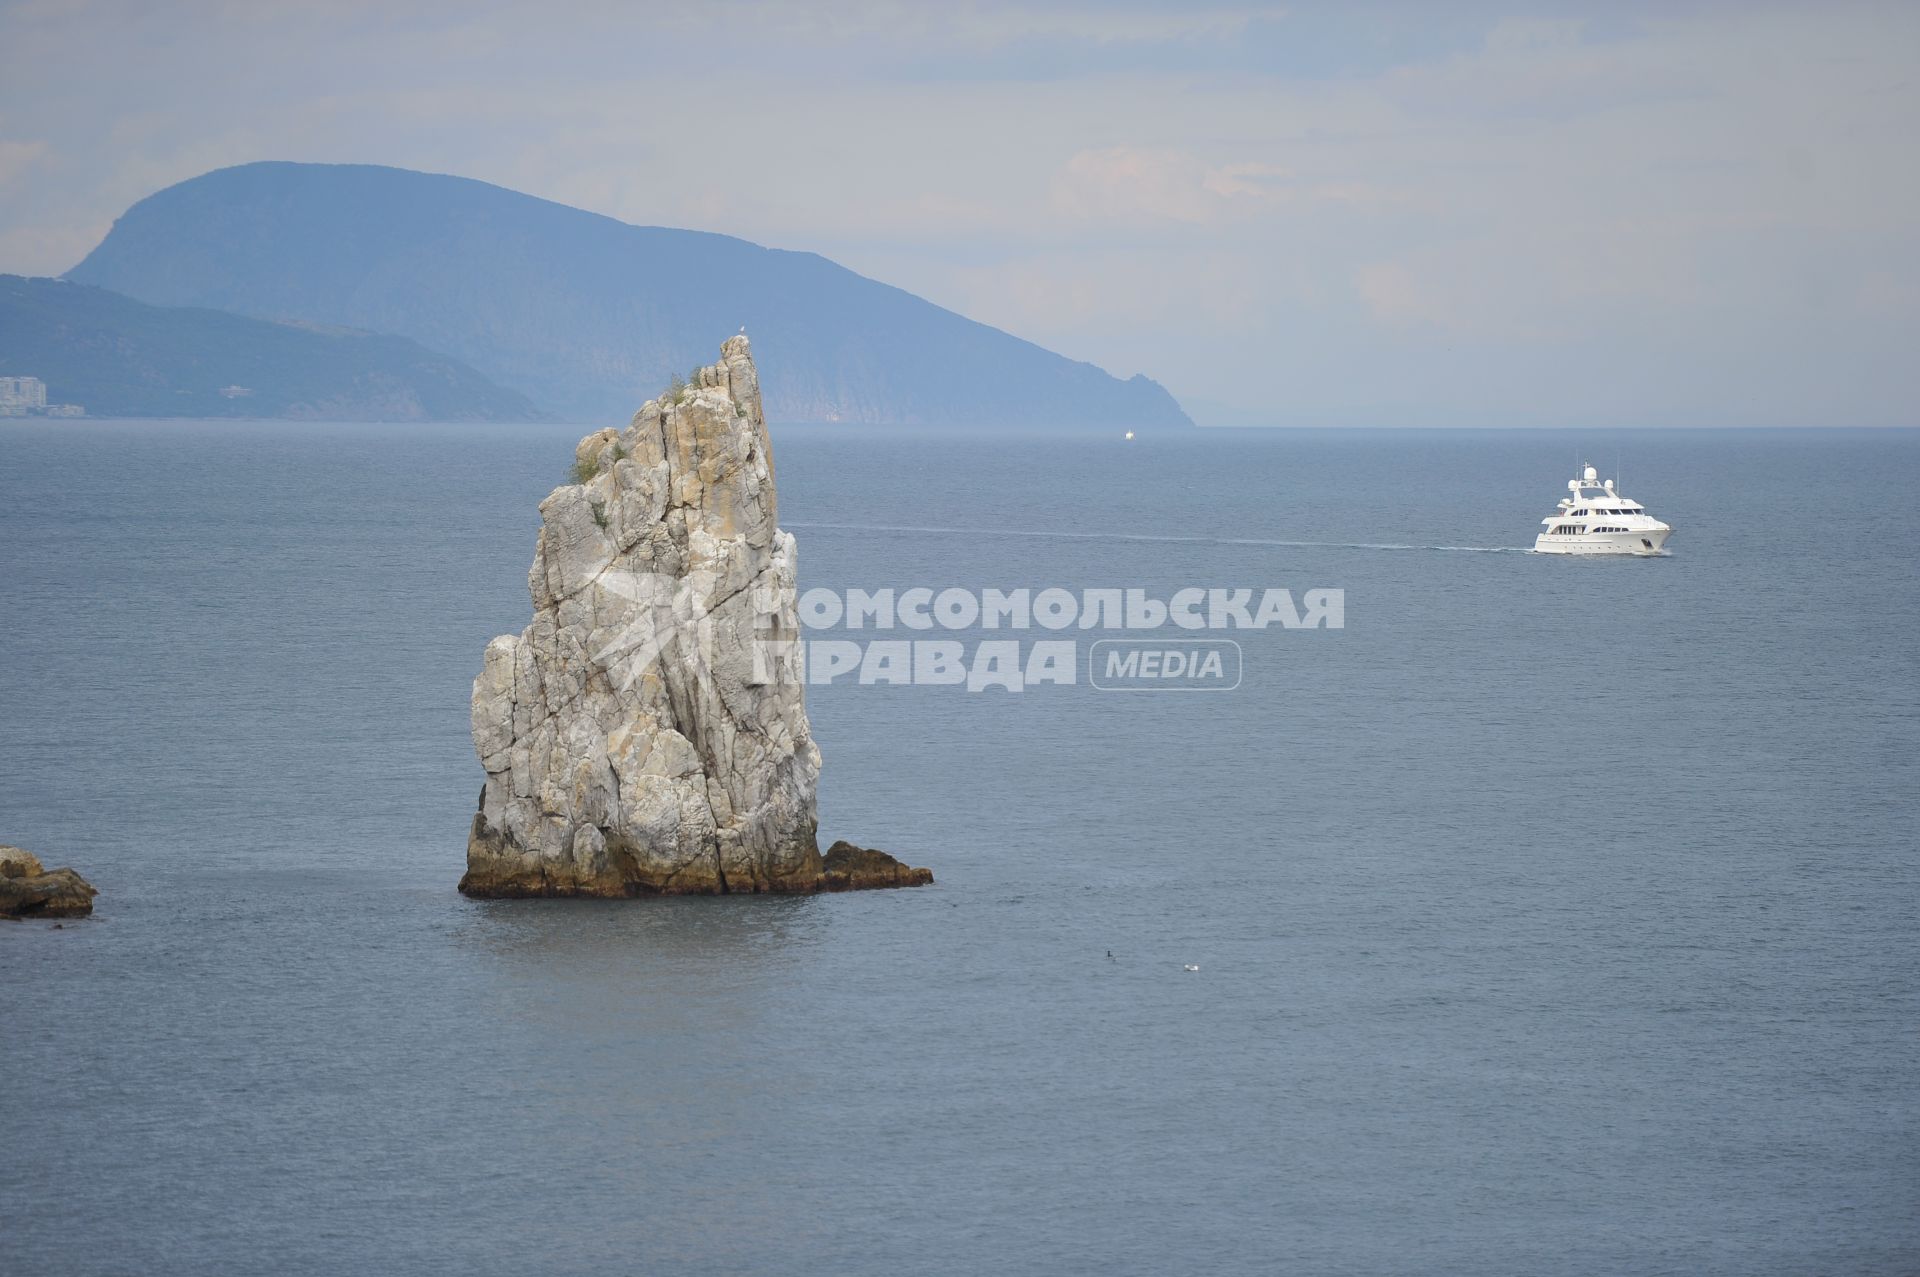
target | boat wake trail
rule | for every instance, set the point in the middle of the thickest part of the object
(1141, 536)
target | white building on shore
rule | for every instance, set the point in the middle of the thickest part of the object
(22, 392)
(27, 397)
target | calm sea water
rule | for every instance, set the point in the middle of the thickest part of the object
(1553, 917)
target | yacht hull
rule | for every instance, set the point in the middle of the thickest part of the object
(1642, 543)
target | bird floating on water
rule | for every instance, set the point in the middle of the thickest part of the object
(1192, 967)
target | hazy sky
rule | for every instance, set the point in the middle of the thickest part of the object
(1378, 214)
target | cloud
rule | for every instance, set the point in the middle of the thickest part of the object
(17, 157)
(31, 244)
(1124, 183)
(1389, 290)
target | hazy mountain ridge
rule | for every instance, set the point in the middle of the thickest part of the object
(584, 314)
(116, 356)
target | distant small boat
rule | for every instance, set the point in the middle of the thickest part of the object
(1192, 967)
(1596, 519)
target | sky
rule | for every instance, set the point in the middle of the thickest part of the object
(1456, 214)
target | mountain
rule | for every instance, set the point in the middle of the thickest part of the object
(586, 315)
(118, 357)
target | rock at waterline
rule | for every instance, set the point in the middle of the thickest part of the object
(30, 890)
(647, 734)
(851, 868)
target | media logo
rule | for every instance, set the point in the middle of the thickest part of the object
(1164, 665)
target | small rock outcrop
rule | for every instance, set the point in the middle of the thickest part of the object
(30, 890)
(647, 733)
(850, 868)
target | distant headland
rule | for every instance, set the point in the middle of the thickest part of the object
(122, 358)
(581, 314)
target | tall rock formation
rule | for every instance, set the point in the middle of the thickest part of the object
(648, 732)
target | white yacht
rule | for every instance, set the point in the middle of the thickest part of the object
(1598, 520)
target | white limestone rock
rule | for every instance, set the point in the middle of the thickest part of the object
(647, 733)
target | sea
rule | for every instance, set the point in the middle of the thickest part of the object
(1549, 916)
